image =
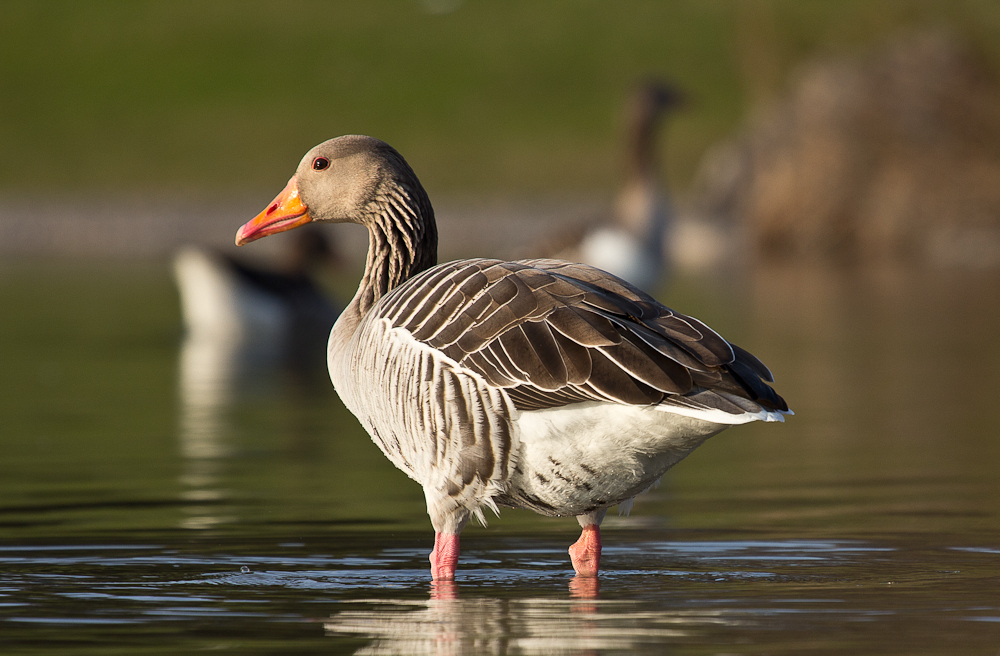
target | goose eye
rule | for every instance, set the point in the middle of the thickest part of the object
(320, 163)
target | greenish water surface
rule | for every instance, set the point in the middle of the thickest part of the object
(139, 514)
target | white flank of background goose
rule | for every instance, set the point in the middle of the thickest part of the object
(536, 384)
(280, 309)
(632, 244)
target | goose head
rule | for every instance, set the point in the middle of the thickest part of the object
(337, 181)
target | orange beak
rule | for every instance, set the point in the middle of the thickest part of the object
(285, 212)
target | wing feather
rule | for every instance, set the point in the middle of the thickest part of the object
(584, 328)
(552, 333)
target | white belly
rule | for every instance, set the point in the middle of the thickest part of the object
(585, 456)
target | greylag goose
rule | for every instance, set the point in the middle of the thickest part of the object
(280, 308)
(535, 384)
(631, 244)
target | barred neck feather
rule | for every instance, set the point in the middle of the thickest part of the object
(402, 241)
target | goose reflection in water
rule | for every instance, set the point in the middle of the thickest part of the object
(249, 329)
(448, 623)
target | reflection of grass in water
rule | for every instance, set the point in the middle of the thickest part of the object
(89, 439)
(891, 372)
(87, 368)
(514, 95)
(894, 430)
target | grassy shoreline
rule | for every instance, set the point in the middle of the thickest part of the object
(519, 97)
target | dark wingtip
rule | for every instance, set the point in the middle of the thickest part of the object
(751, 360)
(753, 377)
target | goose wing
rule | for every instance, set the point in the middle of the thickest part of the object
(552, 333)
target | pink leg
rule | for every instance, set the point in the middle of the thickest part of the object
(586, 552)
(444, 557)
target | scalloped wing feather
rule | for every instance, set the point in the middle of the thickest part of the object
(553, 333)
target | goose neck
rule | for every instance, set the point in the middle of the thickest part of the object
(402, 242)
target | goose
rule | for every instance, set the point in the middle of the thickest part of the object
(538, 384)
(632, 242)
(279, 311)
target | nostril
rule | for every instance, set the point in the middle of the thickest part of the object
(273, 208)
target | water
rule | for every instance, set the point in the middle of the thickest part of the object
(514, 597)
(150, 507)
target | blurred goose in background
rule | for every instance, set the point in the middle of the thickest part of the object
(534, 384)
(280, 308)
(631, 245)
